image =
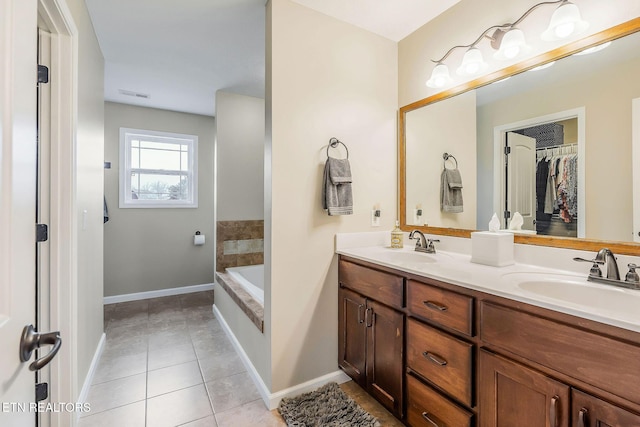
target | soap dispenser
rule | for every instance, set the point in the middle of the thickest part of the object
(397, 237)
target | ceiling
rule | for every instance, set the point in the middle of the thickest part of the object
(175, 54)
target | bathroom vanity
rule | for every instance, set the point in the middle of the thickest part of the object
(440, 341)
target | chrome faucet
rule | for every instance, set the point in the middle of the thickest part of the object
(423, 244)
(607, 258)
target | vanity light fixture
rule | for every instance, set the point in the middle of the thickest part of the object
(509, 42)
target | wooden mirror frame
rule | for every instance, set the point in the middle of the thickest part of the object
(627, 248)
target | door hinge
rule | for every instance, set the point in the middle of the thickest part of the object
(42, 391)
(43, 74)
(507, 151)
(507, 214)
(42, 232)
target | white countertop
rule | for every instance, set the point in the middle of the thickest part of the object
(602, 303)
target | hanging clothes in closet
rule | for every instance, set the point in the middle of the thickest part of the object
(557, 185)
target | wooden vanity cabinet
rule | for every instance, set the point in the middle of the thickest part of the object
(457, 357)
(514, 395)
(371, 332)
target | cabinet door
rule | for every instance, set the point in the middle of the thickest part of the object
(511, 395)
(385, 355)
(589, 411)
(352, 334)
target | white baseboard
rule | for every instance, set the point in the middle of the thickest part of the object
(84, 393)
(272, 400)
(156, 294)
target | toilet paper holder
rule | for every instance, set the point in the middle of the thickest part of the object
(198, 239)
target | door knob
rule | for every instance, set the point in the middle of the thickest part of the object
(32, 340)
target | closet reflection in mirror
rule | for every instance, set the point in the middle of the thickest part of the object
(586, 98)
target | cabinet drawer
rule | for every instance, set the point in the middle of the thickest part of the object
(383, 287)
(601, 361)
(447, 308)
(442, 359)
(428, 408)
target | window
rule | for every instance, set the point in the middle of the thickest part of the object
(158, 169)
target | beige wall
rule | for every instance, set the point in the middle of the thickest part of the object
(152, 249)
(239, 157)
(325, 78)
(89, 184)
(608, 139)
(432, 131)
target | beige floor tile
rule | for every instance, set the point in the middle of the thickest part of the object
(173, 378)
(212, 346)
(202, 422)
(118, 392)
(232, 391)
(221, 366)
(169, 356)
(112, 367)
(178, 407)
(250, 415)
(166, 339)
(132, 415)
(197, 299)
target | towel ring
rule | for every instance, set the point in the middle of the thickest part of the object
(333, 143)
(447, 156)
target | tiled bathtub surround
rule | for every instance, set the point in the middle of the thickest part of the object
(252, 308)
(239, 243)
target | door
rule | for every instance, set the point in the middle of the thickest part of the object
(385, 342)
(589, 411)
(17, 205)
(511, 395)
(521, 179)
(352, 335)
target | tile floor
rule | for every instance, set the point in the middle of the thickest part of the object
(167, 362)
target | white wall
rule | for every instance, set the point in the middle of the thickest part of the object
(152, 249)
(239, 157)
(89, 185)
(324, 78)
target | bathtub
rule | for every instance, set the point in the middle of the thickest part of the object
(251, 277)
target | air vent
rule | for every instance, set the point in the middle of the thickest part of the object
(135, 94)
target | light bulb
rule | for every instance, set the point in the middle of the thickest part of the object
(565, 21)
(513, 44)
(440, 77)
(472, 63)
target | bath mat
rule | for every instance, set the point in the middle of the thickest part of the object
(327, 406)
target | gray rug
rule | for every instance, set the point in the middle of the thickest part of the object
(327, 406)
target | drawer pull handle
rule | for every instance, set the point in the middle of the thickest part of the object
(435, 306)
(360, 307)
(426, 416)
(554, 411)
(368, 314)
(435, 358)
(582, 418)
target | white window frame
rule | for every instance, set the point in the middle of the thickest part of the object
(126, 136)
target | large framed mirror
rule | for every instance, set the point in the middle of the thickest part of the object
(576, 121)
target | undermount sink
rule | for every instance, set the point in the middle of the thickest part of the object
(575, 289)
(409, 257)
